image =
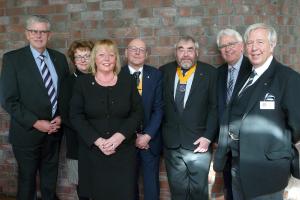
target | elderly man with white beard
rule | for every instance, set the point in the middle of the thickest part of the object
(190, 123)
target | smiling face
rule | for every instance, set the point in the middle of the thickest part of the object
(38, 34)
(231, 49)
(258, 47)
(105, 59)
(186, 54)
(136, 53)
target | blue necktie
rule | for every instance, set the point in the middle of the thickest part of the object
(48, 84)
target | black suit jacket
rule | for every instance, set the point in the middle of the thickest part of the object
(152, 104)
(266, 135)
(24, 96)
(243, 74)
(199, 118)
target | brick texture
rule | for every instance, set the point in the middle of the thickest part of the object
(160, 23)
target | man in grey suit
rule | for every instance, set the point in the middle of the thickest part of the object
(190, 123)
(261, 123)
(29, 91)
(231, 75)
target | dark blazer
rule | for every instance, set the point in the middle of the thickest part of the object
(152, 104)
(24, 96)
(243, 74)
(266, 135)
(199, 117)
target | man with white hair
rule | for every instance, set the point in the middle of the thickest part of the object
(231, 75)
(261, 123)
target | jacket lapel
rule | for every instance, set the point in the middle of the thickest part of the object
(146, 80)
(262, 86)
(32, 67)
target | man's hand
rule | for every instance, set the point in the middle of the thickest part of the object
(55, 125)
(142, 141)
(43, 126)
(203, 144)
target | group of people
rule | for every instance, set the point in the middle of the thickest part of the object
(114, 117)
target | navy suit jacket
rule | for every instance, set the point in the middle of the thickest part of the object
(152, 104)
(266, 134)
(243, 74)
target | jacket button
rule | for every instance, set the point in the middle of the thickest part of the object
(107, 133)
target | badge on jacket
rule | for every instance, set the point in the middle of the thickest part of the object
(268, 103)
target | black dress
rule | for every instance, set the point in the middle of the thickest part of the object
(98, 111)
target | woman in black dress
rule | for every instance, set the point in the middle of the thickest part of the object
(106, 109)
(79, 53)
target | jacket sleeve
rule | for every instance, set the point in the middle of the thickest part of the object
(157, 109)
(10, 94)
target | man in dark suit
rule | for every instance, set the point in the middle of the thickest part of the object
(191, 121)
(230, 78)
(30, 83)
(148, 142)
(261, 123)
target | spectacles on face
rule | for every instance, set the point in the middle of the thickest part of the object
(80, 58)
(135, 49)
(189, 51)
(38, 32)
(229, 45)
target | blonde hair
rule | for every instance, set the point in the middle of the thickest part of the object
(108, 44)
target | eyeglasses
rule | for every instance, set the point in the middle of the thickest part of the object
(258, 43)
(189, 51)
(230, 45)
(135, 49)
(38, 32)
(79, 58)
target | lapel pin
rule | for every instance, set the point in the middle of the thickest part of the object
(93, 83)
(148, 76)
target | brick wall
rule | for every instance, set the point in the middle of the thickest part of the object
(159, 23)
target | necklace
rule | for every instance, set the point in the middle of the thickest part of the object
(106, 82)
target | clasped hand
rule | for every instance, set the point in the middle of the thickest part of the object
(109, 146)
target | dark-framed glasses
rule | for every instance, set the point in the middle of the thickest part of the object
(135, 49)
(38, 32)
(229, 45)
(79, 57)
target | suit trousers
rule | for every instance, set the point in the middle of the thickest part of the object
(43, 159)
(237, 189)
(148, 165)
(187, 173)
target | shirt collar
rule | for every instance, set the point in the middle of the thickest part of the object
(132, 70)
(36, 54)
(238, 64)
(260, 70)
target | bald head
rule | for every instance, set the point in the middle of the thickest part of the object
(136, 53)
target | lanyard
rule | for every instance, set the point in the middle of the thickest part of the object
(184, 78)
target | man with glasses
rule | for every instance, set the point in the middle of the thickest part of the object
(261, 123)
(148, 142)
(190, 121)
(30, 92)
(230, 78)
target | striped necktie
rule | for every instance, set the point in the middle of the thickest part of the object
(249, 82)
(48, 83)
(230, 83)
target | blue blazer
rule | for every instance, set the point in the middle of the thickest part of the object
(152, 104)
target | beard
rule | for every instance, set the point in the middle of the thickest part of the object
(186, 64)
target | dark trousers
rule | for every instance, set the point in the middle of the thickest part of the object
(237, 189)
(148, 164)
(187, 173)
(227, 180)
(43, 159)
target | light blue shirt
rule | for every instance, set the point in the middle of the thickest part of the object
(49, 64)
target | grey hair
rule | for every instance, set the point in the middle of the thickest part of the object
(37, 19)
(229, 32)
(187, 38)
(272, 37)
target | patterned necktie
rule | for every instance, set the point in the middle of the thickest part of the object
(48, 84)
(230, 83)
(249, 82)
(180, 93)
(136, 75)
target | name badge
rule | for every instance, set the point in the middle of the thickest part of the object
(267, 105)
